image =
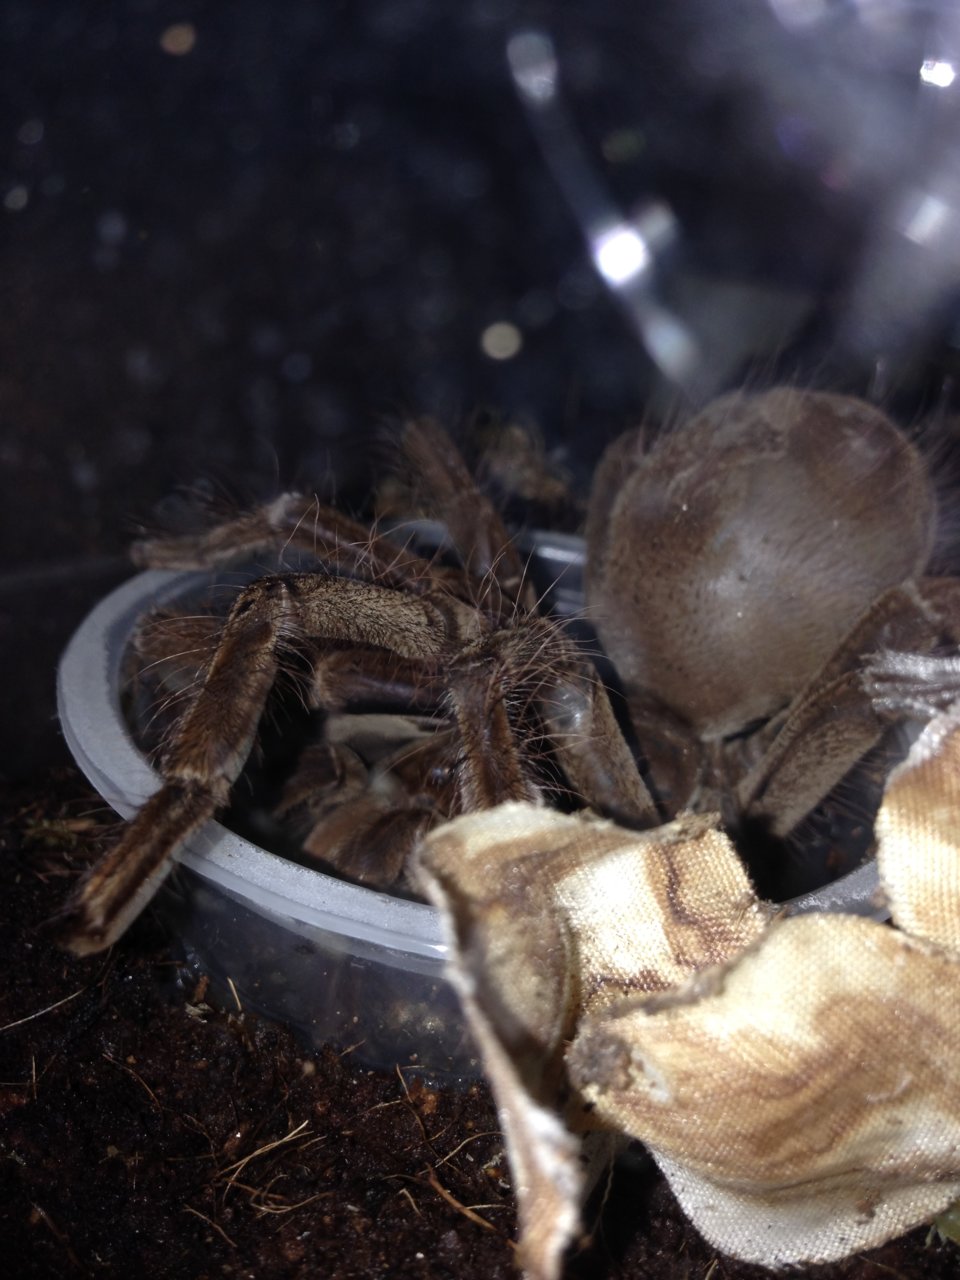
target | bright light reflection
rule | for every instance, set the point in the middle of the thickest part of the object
(938, 73)
(620, 255)
(928, 217)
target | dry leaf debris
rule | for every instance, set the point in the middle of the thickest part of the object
(795, 1078)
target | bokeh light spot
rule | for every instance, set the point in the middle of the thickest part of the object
(179, 38)
(501, 341)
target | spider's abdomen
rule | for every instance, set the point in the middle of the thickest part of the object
(735, 556)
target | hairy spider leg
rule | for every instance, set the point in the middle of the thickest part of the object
(837, 721)
(475, 526)
(535, 664)
(210, 746)
(300, 522)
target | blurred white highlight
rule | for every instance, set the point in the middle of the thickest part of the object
(927, 218)
(621, 254)
(938, 73)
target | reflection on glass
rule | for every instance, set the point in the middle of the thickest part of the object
(621, 254)
(937, 72)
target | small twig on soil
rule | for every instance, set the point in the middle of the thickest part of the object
(263, 1200)
(235, 1169)
(210, 1223)
(452, 1200)
(193, 1123)
(61, 1237)
(882, 1266)
(416, 1114)
(488, 1133)
(40, 1012)
(416, 1208)
(139, 1079)
(379, 1106)
(598, 1216)
(235, 994)
(54, 832)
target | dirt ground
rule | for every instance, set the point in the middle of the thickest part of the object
(147, 1131)
(148, 1128)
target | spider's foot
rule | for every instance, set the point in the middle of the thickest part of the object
(914, 684)
(114, 892)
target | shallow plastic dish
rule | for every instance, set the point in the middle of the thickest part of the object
(346, 965)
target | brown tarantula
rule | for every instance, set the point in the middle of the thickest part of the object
(506, 705)
(739, 573)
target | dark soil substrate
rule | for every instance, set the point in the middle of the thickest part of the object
(146, 1132)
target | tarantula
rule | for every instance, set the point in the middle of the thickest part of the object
(507, 706)
(738, 574)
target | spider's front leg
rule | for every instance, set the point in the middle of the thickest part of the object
(476, 529)
(494, 575)
(915, 684)
(270, 619)
(300, 522)
(296, 520)
(529, 684)
(840, 716)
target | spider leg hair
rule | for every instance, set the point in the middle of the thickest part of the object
(211, 743)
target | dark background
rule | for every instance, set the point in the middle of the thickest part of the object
(237, 264)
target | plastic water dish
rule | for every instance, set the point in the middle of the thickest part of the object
(344, 964)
